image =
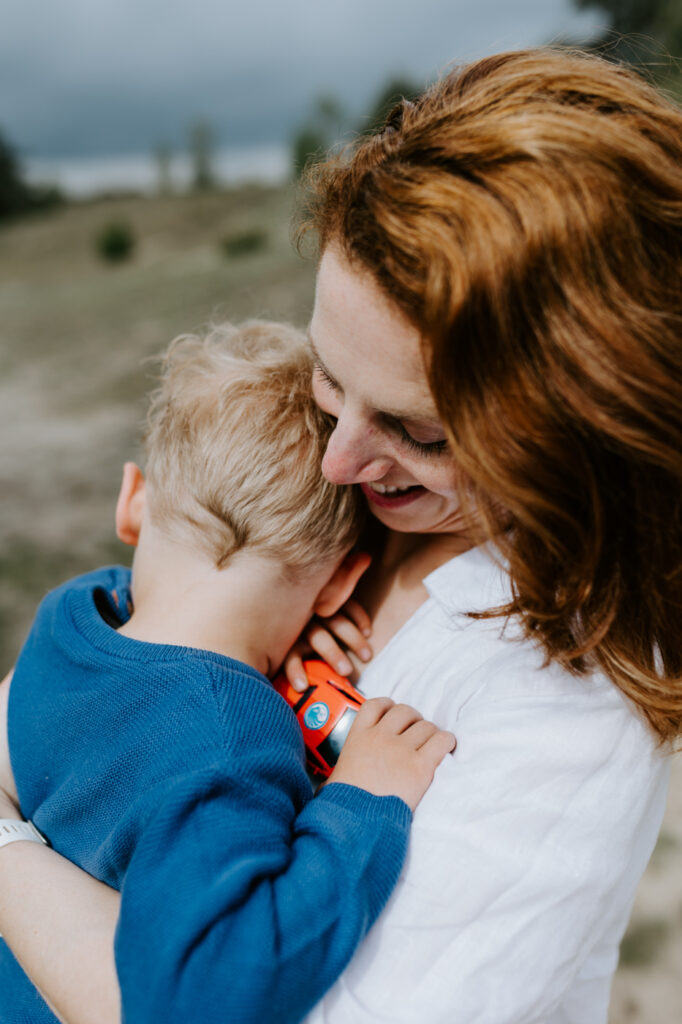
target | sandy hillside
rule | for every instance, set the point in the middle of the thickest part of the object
(74, 335)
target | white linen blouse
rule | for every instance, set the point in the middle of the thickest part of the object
(527, 849)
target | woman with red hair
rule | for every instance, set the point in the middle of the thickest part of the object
(497, 334)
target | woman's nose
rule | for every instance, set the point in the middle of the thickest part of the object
(354, 455)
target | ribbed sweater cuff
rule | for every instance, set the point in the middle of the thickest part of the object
(370, 807)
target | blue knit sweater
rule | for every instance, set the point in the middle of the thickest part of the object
(177, 776)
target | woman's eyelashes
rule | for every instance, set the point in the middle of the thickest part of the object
(325, 378)
(421, 447)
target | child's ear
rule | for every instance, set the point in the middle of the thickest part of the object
(336, 592)
(130, 505)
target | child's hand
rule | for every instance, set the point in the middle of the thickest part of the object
(351, 625)
(392, 751)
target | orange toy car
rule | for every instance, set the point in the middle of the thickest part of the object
(325, 712)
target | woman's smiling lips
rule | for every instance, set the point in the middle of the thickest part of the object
(390, 498)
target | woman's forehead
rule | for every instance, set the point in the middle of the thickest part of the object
(379, 386)
(364, 341)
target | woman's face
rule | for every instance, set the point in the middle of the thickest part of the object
(370, 377)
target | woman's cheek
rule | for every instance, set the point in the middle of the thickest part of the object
(440, 478)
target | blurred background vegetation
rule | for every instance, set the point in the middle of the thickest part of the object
(646, 34)
(92, 288)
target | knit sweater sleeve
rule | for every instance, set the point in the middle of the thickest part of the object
(245, 898)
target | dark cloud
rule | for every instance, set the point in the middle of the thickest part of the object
(83, 76)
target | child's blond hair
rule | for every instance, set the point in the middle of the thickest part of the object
(234, 447)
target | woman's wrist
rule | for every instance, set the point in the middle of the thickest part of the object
(13, 830)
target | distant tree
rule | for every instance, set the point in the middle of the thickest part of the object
(326, 125)
(395, 90)
(201, 153)
(16, 195)
(307, 146)
(330, 114)
(646, 28)
(318, 134)
(163, 157)
(634, 15)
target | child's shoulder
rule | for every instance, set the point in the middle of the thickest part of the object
(114, 580)
(111, 581)
(101, 593)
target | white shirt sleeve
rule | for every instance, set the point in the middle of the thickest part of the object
(524, 859)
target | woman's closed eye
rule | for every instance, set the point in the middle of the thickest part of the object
(328, 381)
(421, 447)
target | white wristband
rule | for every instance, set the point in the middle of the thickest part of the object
(12, 831)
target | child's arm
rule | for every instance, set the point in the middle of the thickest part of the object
(237, 908)
(60, 922)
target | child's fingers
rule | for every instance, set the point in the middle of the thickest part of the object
(348, 632)
(438, 745)
(419, 733)
(323, 643)
(372, 711)
(358, 615)
(293, 667)
(399, 718)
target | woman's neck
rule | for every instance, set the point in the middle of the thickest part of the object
(393, 588)
(412, 556)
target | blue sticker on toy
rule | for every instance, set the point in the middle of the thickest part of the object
(316, 716)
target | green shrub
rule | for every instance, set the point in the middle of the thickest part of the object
(115, 242)
(243, 243)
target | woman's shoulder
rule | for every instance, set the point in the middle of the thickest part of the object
(454, 667)
(498, 650)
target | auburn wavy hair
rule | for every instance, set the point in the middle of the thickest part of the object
(525, 213)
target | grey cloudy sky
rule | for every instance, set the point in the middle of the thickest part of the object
(87, 76)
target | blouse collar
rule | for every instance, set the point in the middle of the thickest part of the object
(471, 582)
